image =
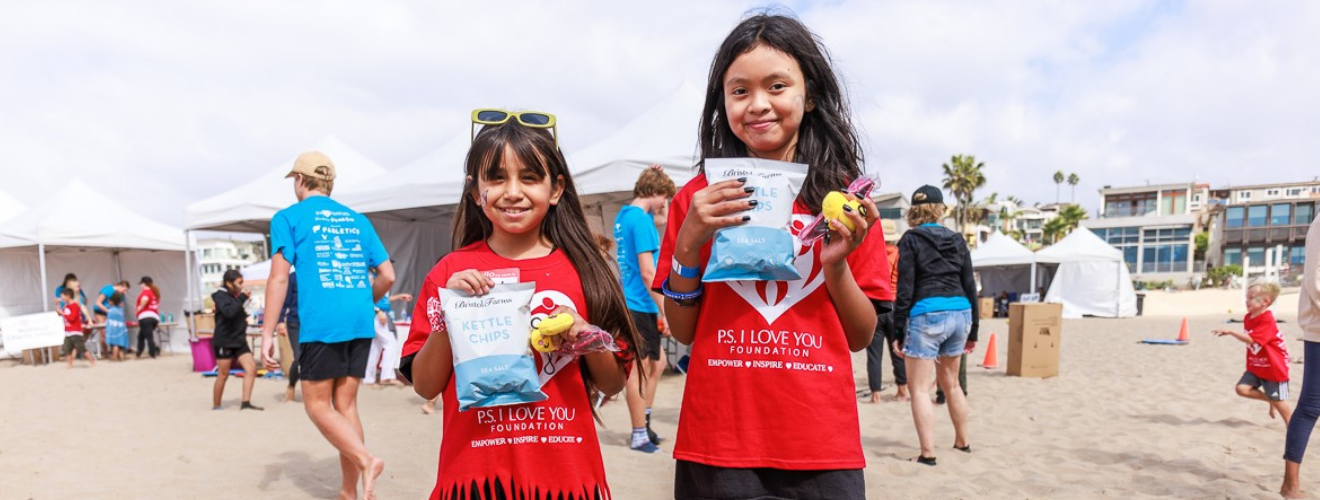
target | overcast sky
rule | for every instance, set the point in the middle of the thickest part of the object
(165, 103)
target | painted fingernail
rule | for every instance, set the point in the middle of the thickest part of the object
(748, 189)
(847, 208)
(751, 203)
(742, 180)
(746, 218)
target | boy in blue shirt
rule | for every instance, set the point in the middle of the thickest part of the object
(638, 244)
(333, 247)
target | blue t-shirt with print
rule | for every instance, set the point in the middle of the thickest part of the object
(107, 291)
(634, 233)
(333, 247)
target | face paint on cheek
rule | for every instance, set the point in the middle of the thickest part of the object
(485, 194)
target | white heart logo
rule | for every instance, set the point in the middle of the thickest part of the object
(579, 440)
(543, 439)
(767, 300)
(831, 369)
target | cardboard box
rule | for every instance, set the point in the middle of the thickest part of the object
(987, 307)
(205, 326)
(1034, 334)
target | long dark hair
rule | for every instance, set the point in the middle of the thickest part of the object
(146, 280)
(826, 138)
(564, 226)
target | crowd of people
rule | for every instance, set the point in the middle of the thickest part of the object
(104, 323)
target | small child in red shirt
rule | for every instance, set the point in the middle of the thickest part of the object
(75, 345)
(1266, 378)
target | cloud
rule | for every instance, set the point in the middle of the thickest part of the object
(166, 104)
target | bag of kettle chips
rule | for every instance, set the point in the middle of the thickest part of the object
(762, 248)
(493, 364)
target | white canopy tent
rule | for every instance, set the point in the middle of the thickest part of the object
(249, 208)
(1005, 266)
(1092, 279)
(83, 231)
(9, 207)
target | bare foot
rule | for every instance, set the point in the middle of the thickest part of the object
(347, 495)
(875, 397)
(428, 407)
(1290, 494)
(1272, 412)
(288, 395)
(369, 475)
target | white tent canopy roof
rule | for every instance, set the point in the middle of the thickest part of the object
(1001, 250)
(80, 216)
(9, 207)
(249, 208)
(665, 135)
(433, 180)
(1081, 245)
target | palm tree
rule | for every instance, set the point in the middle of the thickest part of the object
(1058, 182)
(962, 177)
(1073, 180)
(1071, 215)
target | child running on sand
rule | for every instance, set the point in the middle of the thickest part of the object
(1266, 378)
(75, 344)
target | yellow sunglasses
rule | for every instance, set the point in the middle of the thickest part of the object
(533, 119)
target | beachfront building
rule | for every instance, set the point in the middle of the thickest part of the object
(217, 255)
(893, 206)
(1154, 227)
(1024, 224)
(1258, 219)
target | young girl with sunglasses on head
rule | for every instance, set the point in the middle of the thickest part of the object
(520, 220)
(770, 408)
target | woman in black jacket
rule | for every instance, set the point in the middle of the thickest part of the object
(935, 315)
(230, 340)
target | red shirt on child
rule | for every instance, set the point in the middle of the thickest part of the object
(73, 321)
(549, 447)
(1267, 356)
(770, 382)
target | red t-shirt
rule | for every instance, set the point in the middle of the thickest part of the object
(152, 309)
(549, 446)
(770, 381)
(1267, 356)
(73, 321)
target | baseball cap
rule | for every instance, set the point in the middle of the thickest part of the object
(308, 162)
(927, 194)
(891, 230)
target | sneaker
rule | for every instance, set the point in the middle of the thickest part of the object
(250, 406)
(646, 447)
(652, 436)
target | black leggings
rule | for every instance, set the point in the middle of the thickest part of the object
(292, 329)
(875, 354)
(147, 334)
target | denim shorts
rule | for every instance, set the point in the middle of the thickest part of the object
(938, 334)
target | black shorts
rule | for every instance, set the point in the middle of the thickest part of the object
(322, 361)
(648, 332)
(694, 481)
(74, 343)
(1274, 391)
(231, 352)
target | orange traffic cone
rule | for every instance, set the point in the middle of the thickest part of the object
(991, 354)
(1182, 333)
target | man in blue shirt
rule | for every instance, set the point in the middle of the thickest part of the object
(638, 245)
(333, 247)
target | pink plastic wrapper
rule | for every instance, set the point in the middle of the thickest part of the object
(593, 339)
(818, 228)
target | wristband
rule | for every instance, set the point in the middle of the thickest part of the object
(684, 271)
(687, 299)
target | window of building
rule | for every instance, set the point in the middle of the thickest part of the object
(1233, 216)
(1303, 214)
(1232, 256)
(1271, 192)
(1130, 204)
(1196, 198)
(1173, 202)
(1294, 192)
(1168, 235)
(1297, 255)
(1256, 215)
(1256, 256)
(891, 213)
(1280, 214)
(1244, 195)
(1164, 258)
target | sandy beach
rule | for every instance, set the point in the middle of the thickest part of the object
(1123, 420)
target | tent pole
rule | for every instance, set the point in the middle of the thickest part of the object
(1118, 291)
(41, 256)
(119, 269)
(187, 264)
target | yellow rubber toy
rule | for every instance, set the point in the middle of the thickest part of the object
(832, 208)
(544, 335)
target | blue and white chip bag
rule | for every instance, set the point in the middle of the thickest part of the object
(763, 248)
(493, 363)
